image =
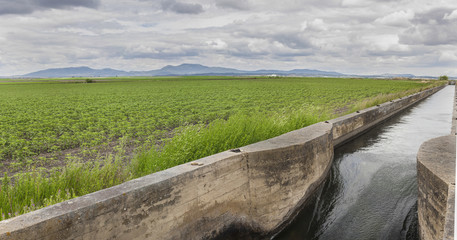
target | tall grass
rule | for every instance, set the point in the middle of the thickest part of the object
(381, 98)
(33, 190)
(197, 141)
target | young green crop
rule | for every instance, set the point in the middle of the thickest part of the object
(201, 116)
(43, 118)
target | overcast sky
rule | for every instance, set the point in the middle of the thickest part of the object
(348, 36)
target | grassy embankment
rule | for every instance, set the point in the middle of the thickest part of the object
(52, 134)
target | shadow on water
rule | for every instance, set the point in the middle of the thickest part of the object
(371, 190)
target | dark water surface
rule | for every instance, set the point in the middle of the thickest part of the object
(371, 191)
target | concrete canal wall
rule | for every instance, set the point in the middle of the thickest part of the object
(436, 184)
(249, 192)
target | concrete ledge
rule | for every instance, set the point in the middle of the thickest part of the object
(436, 183)
(255, 190)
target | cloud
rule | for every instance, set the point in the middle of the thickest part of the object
(435, 27)
(15, 7)
(386, 46)
(270, 33)
(67, 3)
(317, 25)
(143, 51)
(79, 31)
(29, 6)
(183, 8)
(400, 18)
(433, 16)
(448, 56)
(217, 44)
(234, 4)
(292, 40)
(451, 16)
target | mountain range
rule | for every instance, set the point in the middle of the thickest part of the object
(188, 70)
(180, 70)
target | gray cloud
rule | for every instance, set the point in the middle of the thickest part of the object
(391, 53)
(431, 28)
(292, 40)
(158, 53)
(29, 6)
(15, 7)
(434, 16)
(67, 3)
(389, 1)
(183, 8)
(246, 53)
(290, 37)
(234, 4)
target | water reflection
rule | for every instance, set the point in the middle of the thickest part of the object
(371, 191)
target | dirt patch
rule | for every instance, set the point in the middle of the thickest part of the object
(49, 161)
(342, 110)
(126, 149)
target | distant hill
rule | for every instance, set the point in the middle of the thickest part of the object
(180, 70)
(198, 70)
(74, 72)
(192, 69)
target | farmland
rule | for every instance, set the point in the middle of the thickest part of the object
(65, 138)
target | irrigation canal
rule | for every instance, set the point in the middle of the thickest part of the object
(371, 190)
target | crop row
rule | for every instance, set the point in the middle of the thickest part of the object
(43, 118)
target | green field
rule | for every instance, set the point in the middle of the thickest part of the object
(63, 138)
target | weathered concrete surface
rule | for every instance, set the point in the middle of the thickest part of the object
(350, 126)
(450, 215)
(157, 206)
(253, 190)
(436, 182)
(249, 193)
(285, 173)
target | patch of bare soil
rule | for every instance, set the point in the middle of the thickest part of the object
(49, 161)
(98, 154)
(342, 110)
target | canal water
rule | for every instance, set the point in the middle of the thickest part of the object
(371, 190)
